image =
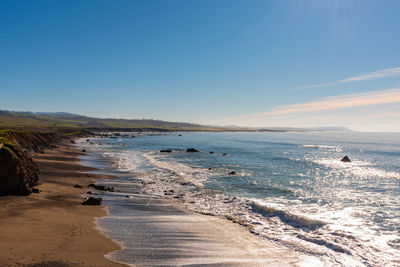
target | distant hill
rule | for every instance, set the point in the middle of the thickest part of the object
(46, 120)
(16, 119)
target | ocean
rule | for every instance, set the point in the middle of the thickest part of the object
(288, 188)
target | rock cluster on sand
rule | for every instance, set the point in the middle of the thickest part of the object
(92, 201)
(102, 187)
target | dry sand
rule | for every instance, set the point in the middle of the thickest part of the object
(52, 228)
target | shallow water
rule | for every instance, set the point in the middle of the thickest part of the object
(290, 188)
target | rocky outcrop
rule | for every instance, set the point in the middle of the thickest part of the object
(192, 150)
(166, 151)
(18, 172)
(345, 159)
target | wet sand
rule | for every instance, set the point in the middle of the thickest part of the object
(52, 228)
(158, 232)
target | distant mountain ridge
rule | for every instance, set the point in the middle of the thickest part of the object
(28, 119)
(22, 119)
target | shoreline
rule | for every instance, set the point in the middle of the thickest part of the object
(52, 228)
(156, 230)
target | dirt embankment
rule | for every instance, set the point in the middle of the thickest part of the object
(19, 174)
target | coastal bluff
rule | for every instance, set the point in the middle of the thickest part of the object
(19, 174)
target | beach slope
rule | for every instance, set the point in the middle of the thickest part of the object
(52, 228)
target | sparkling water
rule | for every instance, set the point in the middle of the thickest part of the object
(290, 188)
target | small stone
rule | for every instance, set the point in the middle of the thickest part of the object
(92, 201)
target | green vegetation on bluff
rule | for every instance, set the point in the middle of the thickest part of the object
(29, 120)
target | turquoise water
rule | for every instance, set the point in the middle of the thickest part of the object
(291, 188)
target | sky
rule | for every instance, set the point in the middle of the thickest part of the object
(251, 63)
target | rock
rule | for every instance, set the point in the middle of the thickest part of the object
(83, 150)
(72, 141)
(92, 201)
(210, 169)
(35, 190)
(89, 192)
(232, 173)
(179, 135)
(18, 172)
(127, 196)
(169, 192)
(192, 150)
(87, 140)
(225, 154)
(102, 187)
(77, 186)
(165, 151)
(211, 152)
(345, 159)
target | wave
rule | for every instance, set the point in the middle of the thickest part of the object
(287, 217)
(183, 173)
(335, 148)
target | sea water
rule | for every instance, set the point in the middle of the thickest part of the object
(289, 188)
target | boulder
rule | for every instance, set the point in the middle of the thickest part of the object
(35, 190)
(232, 173)
(345, 159)
(165, 151)
(192, 150)
(211, 152)
(225, 154)
(18, 172)
(77, 186)
(92, 201)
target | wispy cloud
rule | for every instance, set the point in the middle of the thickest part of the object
(329, 103)
(379, 74)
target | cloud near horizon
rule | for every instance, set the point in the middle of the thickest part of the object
(379, 74)
(389, 96)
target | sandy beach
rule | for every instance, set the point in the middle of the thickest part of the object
(52, 228)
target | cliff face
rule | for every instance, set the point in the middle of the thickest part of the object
(18, 172)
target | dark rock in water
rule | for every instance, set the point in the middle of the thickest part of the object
(83, 150)
(225, 154)
(72, 141)
(345, 159)
(210, 168)
(192, 150)
(87, 140)
(127, 196)
(92, 201)
(232, 173)
(77, 186)
(169, 192)
(89, 192)
(18, 172)
(211, 152)
(35, 190)
(165, 151)
(179, 135)
(102, 187)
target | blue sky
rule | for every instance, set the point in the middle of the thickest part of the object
(217, 62)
